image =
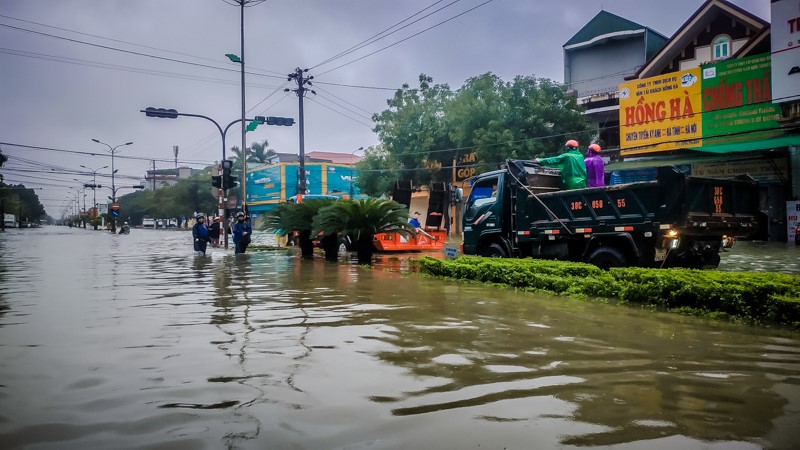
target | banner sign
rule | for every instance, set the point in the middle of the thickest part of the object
(728, 101)
(737, 99)
(661, 113)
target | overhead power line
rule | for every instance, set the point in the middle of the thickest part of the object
(123, 42)
(127, 69)
(131, 52)
(407, 38)
(385, 33)
(78, 152)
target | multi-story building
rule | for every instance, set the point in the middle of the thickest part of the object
(593, 80)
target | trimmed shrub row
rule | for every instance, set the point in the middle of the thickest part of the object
(752, 297)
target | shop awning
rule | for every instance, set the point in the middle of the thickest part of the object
(751, 146)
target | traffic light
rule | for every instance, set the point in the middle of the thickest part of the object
(216, 181)
(228, 182)
(279, 121)
(161, 112)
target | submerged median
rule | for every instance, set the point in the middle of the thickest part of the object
(759, 298)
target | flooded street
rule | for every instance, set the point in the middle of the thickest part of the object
(132, 342)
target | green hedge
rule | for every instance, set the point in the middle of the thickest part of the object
(748, 296)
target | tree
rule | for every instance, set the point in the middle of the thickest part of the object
(425, 129)
(362, 220)
(259, 153)
(290, 217)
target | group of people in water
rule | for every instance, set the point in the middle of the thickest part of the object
(203, 234)
(578, 171)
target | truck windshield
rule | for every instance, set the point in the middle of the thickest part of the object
(483, 192)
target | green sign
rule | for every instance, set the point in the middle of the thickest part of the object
(737, 100)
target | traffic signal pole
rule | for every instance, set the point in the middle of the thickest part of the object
(227, 181)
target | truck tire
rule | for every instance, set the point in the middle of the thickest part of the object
(709, 261)
(494, 251)
(607, 257)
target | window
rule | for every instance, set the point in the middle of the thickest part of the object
(483, 193)
(721, 48)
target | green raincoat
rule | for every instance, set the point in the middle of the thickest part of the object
(573, 169)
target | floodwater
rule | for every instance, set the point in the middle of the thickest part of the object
(132, 342)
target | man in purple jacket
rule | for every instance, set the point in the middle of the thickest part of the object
(595, 168)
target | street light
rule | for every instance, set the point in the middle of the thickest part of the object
(94, 182)
(351, 169)
(113, 191)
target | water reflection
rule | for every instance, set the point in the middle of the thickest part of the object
(150, 346)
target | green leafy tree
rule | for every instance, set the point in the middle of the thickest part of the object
(374, 173)
(424, 130)
(362, 220)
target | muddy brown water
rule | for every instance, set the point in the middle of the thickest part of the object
(133, 342)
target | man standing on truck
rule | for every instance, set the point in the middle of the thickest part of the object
(595, 167)
(573, 169)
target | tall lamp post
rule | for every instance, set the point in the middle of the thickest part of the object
(113, 150)
(94, 182)
(351, 169)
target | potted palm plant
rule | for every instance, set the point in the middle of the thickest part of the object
(289, 217)
(362, 220)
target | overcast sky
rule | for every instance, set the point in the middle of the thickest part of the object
(58, 93)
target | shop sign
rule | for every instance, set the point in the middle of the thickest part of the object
(465, 168)
(737, 99)
(785, 35)
(762, 170)
(661, 113)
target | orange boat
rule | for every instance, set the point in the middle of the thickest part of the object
(423, 241)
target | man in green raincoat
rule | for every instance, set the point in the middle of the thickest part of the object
(573, 169)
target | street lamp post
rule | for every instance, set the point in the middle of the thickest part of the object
(113, 191)
(94, 182)
(351, 169)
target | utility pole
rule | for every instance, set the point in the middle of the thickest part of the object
(244, 127)
(175, 151)
(154, 175)
(301, 90)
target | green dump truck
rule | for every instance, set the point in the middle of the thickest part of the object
(674, 221)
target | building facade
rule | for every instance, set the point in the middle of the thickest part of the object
(590, 77)
(704, 103)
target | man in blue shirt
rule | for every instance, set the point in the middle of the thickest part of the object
(241, 233)
(200, 234)
(414, 221)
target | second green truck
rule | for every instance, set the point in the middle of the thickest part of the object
(673, 221)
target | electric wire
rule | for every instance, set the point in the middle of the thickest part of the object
(375, 37)
(147, 55)
(407, 38)
(125, 42)
(339, 112)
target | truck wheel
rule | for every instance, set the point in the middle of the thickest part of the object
(494, 251)
(607, 257)
(709, 261)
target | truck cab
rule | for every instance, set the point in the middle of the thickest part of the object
(484, 217)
